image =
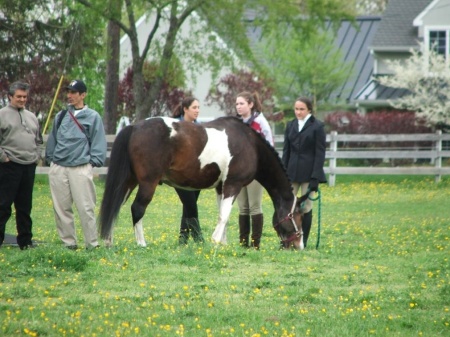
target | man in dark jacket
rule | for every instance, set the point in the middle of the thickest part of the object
(304, 156)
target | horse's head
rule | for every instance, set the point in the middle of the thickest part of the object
(289, 227)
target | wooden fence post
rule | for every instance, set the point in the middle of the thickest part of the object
(438, 160)
(333, 160)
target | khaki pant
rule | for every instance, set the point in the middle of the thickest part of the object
(250, 199)
(304, 187)
(74, 185)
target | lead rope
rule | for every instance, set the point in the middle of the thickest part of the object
(319, 214)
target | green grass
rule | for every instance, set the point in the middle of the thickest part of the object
(382, 269)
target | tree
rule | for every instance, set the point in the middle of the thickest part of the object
(43, 40)
(366, 7)
(27, 30)
(426, 74)
(225, 92)
(295, 51)
(310, 66)
(173, 13)
(222, 16)
(168, 97)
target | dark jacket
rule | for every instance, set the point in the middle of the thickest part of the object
(304, 151)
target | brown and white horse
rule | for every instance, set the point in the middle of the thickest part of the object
(224, 154)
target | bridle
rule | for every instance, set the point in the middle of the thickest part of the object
(290, 216)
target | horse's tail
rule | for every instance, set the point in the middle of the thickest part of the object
(116, 187)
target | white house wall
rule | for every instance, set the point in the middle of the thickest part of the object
(382, 59)
(435, 16)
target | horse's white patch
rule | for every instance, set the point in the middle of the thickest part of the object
(216, 150)
(220, 233)
(302, 245)
(169, 122)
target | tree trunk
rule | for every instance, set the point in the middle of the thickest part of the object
(169, 45)
(112, 78)
(112, 67)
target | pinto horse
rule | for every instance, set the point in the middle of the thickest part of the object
(224, 154)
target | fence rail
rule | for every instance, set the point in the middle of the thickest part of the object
(338, 148)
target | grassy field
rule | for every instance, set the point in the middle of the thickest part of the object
(382, 269)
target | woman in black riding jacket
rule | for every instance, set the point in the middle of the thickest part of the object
(304, 156)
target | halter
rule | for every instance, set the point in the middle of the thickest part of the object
(290, 216)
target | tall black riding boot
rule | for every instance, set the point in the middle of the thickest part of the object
(257, 227)
(195, 230)
(306, 226)
(184, 232)
(244, 229)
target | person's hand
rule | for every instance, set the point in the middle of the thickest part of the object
(313, 185)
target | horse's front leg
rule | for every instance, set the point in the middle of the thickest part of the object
(139, 234)
(225, 205)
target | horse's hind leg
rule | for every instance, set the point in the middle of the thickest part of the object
(109, 239)
(143, 197)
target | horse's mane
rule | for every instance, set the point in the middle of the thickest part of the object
(271, 148)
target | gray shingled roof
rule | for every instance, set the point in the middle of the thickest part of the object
(396, 31)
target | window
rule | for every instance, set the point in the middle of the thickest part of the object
(439, 41)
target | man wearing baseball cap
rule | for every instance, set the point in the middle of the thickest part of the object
(76, 144)
(77, 85)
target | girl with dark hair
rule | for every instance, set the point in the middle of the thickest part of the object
(248, 107)
(188, 111)
(304, 156)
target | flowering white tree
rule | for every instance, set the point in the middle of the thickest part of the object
(427, 76)
(366, 7)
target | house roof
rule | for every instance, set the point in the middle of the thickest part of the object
(375, 94)
(353, 39)
(396, 31)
